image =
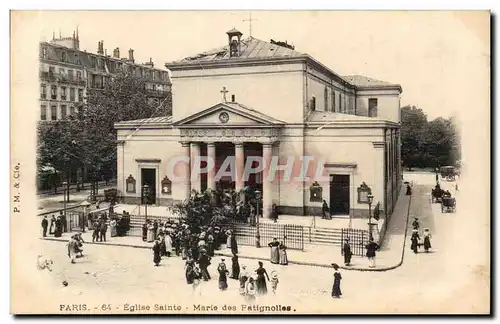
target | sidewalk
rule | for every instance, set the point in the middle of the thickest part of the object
(389, 257)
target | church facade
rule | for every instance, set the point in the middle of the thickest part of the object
(319, 136)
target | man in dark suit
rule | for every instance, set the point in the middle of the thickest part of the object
(45, 225)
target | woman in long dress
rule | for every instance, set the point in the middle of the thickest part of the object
(234, 244)
(414, 241)
(261, 280)
(151, 233)
(112, 226)
(427, 240)
(52, 228)
(168, 244)
(156, 252)
(275, 255)
(235, 274)
(222, 275)
(336, 292)
(283, 255)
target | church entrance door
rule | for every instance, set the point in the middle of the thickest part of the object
(339, 194)
(148, 177)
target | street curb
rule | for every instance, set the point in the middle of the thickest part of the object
(256, 258)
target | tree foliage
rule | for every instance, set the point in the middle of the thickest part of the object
(428, 143)
(88, 138)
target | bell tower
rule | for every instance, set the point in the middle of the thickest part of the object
(234, 36)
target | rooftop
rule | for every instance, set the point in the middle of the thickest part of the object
(250, 48)
(361, 81)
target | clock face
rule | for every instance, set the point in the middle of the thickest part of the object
(224, 117)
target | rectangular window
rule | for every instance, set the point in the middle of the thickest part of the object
(313, 103)
(326, 99)
(372, 107)
(72, 94)
(92, 61)
(43, 91)
(70, 75)
(78, 75)
(53, 112)
(63, 93)
(52, 70)
(43, 112)
(63, 111)
(333, 100)
(154, 75)
(72, 110)
(44, 52)
(77, 59)
(80, 94)
(53, 92)
(341, 109)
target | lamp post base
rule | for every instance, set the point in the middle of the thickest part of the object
(257, 241)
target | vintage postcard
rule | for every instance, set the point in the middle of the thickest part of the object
(237, 162)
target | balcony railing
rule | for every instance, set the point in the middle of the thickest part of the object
(59, 77)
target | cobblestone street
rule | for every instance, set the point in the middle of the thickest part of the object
(428, 283)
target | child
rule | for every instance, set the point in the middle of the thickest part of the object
(274, 281)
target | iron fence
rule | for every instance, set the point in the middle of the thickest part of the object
(358, 238)
(291, 235)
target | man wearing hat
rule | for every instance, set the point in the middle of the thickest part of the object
(415, 224)
(347, 252)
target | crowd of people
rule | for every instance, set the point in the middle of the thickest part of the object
(57, 226)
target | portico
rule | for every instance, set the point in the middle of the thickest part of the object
(240, 133)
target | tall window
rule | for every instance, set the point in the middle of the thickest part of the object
(52, 70)
(43, 91)
(53, 92)
(154, 75)
(63, 111)
(313, 103)
(333, 100)
(92, 61)
(341, 109)
(72, 94)
(63, 93)
(77, 59)
(70, 75)
(64, 57)
(79, 75)
(326, 98)
(43, 112)
(44, 52)
(72, 110)
(53, 112)
(80, 94)
(372, 107)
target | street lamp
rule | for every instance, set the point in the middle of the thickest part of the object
(145, 197)
(370, 201)
(257, 236)
(437, 175)
(64, 199)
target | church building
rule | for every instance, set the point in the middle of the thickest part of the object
(256, 98)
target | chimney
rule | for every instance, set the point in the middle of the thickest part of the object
(100, 47)
(233, 98)
(116, 53)
(131, 55)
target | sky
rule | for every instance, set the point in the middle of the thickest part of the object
(438, 57)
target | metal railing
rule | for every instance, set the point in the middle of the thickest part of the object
(291, 235)
(358, 238)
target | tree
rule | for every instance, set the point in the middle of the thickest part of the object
(413, 120)
(88, 138)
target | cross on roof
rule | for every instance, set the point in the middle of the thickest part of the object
(224, 91)
(250, 23)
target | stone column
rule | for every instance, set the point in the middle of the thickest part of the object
(240, 165)
(195, 158)
(186, 151)
(267, 194)
(211, 171)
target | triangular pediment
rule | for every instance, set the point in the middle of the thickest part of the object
(228, 114)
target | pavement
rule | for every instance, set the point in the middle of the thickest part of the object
(389, 257)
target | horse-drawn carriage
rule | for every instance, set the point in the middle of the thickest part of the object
(448, 204)
(437, 194)
(448, 173)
